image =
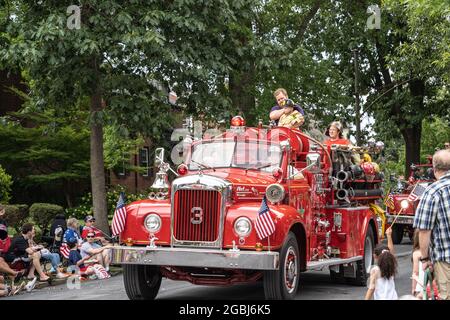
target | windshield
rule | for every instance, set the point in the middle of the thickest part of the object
(236, 154)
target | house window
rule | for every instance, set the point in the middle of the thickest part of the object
(143, 160)
(122, 170)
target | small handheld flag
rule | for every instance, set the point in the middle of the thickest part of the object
(264, 225)
(120, 215)
(417, 192)
(389, 201)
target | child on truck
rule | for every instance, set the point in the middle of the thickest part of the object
(381, 281)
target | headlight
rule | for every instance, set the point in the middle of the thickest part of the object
(404, 204)
(275, 193)
(152, 223)
(242, 226)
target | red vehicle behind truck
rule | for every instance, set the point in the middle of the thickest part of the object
(403, 209)
(201, 227)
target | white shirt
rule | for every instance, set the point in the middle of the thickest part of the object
(384, 288)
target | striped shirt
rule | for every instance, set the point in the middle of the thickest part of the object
(433, 213)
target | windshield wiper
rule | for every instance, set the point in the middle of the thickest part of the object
(258, 167)
(203, 165)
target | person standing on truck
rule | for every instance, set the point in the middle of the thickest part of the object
(433, 221)
(334, 132)
(381, 281)
(279, 110)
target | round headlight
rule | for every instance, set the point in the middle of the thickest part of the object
(242, 226)
(404, 204)
(153, 223)
(275, 193)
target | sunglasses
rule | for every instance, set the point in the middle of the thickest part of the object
(90, 236)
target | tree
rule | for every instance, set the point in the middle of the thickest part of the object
(121, 58)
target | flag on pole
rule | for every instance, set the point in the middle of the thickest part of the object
(417, 192)
(389, 201)
(264, 225)
(120, 215)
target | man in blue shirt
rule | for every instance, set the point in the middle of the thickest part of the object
(277, 111)
(433, 221)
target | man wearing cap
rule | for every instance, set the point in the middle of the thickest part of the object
(89, 222)
(279, 110)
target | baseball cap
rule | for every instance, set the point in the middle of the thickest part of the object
(89, 218)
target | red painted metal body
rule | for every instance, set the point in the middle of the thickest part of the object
(318, 221)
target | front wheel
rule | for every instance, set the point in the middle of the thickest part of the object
(283, 283)
(397, 233)
(141, 282)
(363, 266)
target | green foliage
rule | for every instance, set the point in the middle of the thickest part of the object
(85, 207)
(5, 185)
(435, 132)
(44, 213)
(16, 215)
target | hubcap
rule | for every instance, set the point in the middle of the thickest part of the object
(368, 252)
(290, 270)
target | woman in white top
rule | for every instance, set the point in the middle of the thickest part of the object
(381, 282)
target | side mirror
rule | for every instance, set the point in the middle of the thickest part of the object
(159, 157)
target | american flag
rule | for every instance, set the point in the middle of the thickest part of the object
(264, 224)
(64, 250)
(417, 192)
(118, 223)
(389, 202)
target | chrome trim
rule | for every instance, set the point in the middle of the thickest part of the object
(190, 257)
(312, 265)
(346, 208)
(403, 219)
(201, 182)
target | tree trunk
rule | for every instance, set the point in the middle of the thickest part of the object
(97, 165)
(67, 193)
(412, 146)
(242, 86)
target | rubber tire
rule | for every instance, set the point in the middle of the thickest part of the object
(397, 233)
(141, 282)
(274, 287)
(361, 274)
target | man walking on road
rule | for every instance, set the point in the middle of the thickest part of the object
(433, 221)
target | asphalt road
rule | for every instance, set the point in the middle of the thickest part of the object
(314, 285)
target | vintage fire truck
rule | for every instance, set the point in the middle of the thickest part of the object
(404, 208)
(201, 227)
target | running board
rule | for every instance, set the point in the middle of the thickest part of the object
(312, 265)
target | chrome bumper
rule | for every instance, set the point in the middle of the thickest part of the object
(400, 220)
(192, 257)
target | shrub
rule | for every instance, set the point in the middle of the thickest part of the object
(112, 196)
(5, 186)
(43, 214)
(16, 215)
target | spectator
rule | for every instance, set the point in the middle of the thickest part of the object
(6, 290)
(447, 145)
(75, 259)
(381, 282)
(47, 255)
(72, 231)
(89, 227)
(94, 251)
(417, 274)
(58, 222)
(277, 111)
(21, 249)
(433, 221)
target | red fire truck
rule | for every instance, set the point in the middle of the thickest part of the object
(404, 208)
(201, 227)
